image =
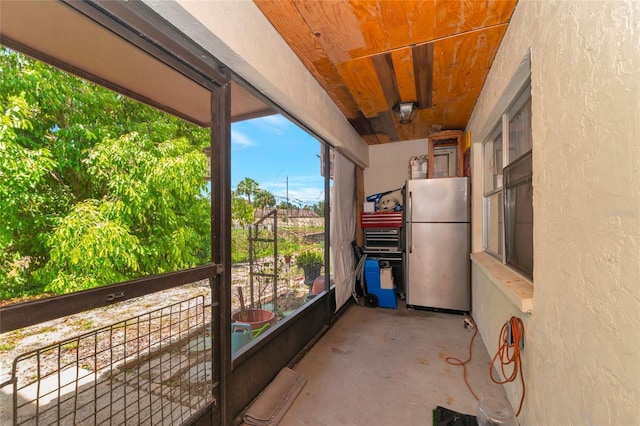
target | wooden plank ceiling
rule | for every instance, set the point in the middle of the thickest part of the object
(369, 55)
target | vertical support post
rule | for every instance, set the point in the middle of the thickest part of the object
(221, 247)
(286, 210)
(327, 231)
(275, 260)
(359, 202)
(250, 237)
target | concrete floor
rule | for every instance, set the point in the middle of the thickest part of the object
(387, 367)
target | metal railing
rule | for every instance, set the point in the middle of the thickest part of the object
(152, 369)
(263, 237)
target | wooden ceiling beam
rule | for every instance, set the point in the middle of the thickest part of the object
(383, 65)
(423, 71)
(368, 55)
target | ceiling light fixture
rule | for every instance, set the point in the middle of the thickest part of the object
(405, 111)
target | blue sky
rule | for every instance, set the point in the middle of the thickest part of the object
(269, 149)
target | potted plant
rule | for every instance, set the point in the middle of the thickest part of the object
(310, 261)
(287, 249)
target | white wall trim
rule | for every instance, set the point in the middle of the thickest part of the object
(520, 78)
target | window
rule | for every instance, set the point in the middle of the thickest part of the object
(519, 214)
(494, 228)
(90, 178)
(278, 233)
(508, 207)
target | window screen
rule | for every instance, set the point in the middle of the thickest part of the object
(493, 163)
(519, 214)
(494, 234)
(520, 130)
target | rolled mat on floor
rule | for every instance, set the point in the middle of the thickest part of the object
(274, 401)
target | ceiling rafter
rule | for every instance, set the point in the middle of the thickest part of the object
(368, 55)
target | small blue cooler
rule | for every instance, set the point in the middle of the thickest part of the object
(385, 292)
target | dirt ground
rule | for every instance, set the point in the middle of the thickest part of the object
(292, 294)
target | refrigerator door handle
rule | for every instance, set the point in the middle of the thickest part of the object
(409, 221)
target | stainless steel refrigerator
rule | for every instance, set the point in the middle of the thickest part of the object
(437, 242)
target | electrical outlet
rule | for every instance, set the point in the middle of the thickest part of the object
(509, 337)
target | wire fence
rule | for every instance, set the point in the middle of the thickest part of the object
(152, 369)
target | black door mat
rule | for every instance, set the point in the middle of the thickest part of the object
(445, 417)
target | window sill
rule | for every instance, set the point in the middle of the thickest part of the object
(518, 289)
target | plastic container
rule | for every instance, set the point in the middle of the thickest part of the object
(241, 335)
(256, 317)
(495, 412)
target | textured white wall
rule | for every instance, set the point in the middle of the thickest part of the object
(389, 164)
(583, 338)
(239, 35)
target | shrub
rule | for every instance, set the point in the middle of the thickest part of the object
(309, 257)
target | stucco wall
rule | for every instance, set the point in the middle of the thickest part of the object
(239, 35)
(389, 165)
(583, 338)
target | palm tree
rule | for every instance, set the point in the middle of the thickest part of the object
(264, 199)
(248, 187)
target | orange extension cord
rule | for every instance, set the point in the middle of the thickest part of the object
(517, 332)
(455, 361)
(517, 336)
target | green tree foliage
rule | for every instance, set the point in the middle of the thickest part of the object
(247, 187)
(241, 211)
(242, 205)
(264, 199)
(95, 188)
(318, 208)
(288, 205)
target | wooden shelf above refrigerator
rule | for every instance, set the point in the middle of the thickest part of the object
(444, 144)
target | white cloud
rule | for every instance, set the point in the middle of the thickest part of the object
(307, 194)
(276, 124)
(308, 189)
(240, 140)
